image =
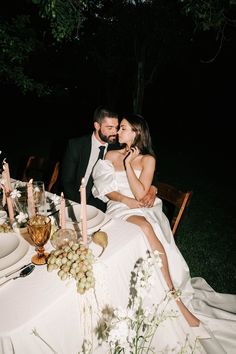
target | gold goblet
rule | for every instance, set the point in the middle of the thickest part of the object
(39, 228)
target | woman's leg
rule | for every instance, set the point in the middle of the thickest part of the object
(155, 244)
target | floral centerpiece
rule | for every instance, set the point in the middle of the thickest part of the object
(132, 330)
(19, 196)
(20, 201)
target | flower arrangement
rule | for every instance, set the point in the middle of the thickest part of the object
(20, 202)
(19, 196)
(132, 330)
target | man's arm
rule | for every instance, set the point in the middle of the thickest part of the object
(149, 199)
(68, 174)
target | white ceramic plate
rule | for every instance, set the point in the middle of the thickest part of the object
(12, 249)
(95, 218)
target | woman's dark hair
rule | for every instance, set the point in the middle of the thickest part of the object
(142, 138)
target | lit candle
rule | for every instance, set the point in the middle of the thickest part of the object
(62, 212)
(7, 176)
(83, 211)
(7, 191)
(31, 205)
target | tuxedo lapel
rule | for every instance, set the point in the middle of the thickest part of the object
(82, 151)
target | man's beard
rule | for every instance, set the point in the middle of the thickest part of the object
(110, 139)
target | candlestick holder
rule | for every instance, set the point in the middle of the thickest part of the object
(61, 237)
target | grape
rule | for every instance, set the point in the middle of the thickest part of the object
(64, 260)
(50, 267)
(73, 260)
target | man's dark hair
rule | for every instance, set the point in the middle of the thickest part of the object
(101, 112)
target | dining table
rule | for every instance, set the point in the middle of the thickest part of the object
(40, 313)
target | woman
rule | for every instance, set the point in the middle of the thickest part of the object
(122, 180)
(135, 165)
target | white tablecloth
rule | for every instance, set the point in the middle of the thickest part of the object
(63, 318)
(53, 308)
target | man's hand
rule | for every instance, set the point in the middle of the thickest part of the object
(148, 200)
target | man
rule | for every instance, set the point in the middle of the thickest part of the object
(82, 153)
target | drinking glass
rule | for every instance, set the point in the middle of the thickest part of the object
(39, 197)
(39, 229)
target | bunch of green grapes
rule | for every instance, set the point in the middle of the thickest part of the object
(76, 260)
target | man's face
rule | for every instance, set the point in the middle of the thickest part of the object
(107, 130)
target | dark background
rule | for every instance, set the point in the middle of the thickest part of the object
(190, 108)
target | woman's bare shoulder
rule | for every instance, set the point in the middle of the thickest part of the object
(147, 159)
(111, 154)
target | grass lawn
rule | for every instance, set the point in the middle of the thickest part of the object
(207, 234)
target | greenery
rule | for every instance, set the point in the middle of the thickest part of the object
(112, 38)
(19, 42)
(206, 236)
(209, 14)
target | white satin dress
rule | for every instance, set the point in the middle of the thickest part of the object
(216, 311)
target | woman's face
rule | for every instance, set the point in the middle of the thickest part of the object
(125, 134)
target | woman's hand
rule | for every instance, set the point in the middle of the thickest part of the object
(130, 202)
(132, 154)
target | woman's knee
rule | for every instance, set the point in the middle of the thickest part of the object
(142, 223)
(146, 227)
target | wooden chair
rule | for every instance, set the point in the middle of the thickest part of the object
(41, 169)
(175, 202)
(54, 176)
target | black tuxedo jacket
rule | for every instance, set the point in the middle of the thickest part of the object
(74, 165)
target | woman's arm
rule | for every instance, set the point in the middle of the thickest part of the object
(118, 197)
(140, 186)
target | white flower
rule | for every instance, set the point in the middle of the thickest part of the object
(15, 194)
(158, 258)
(119, 334)
(22, 217)
(20, 199)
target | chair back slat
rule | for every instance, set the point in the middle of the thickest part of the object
(175, 202)
(41, 169)
(54, 176)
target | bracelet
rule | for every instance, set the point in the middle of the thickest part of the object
(174, 294)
